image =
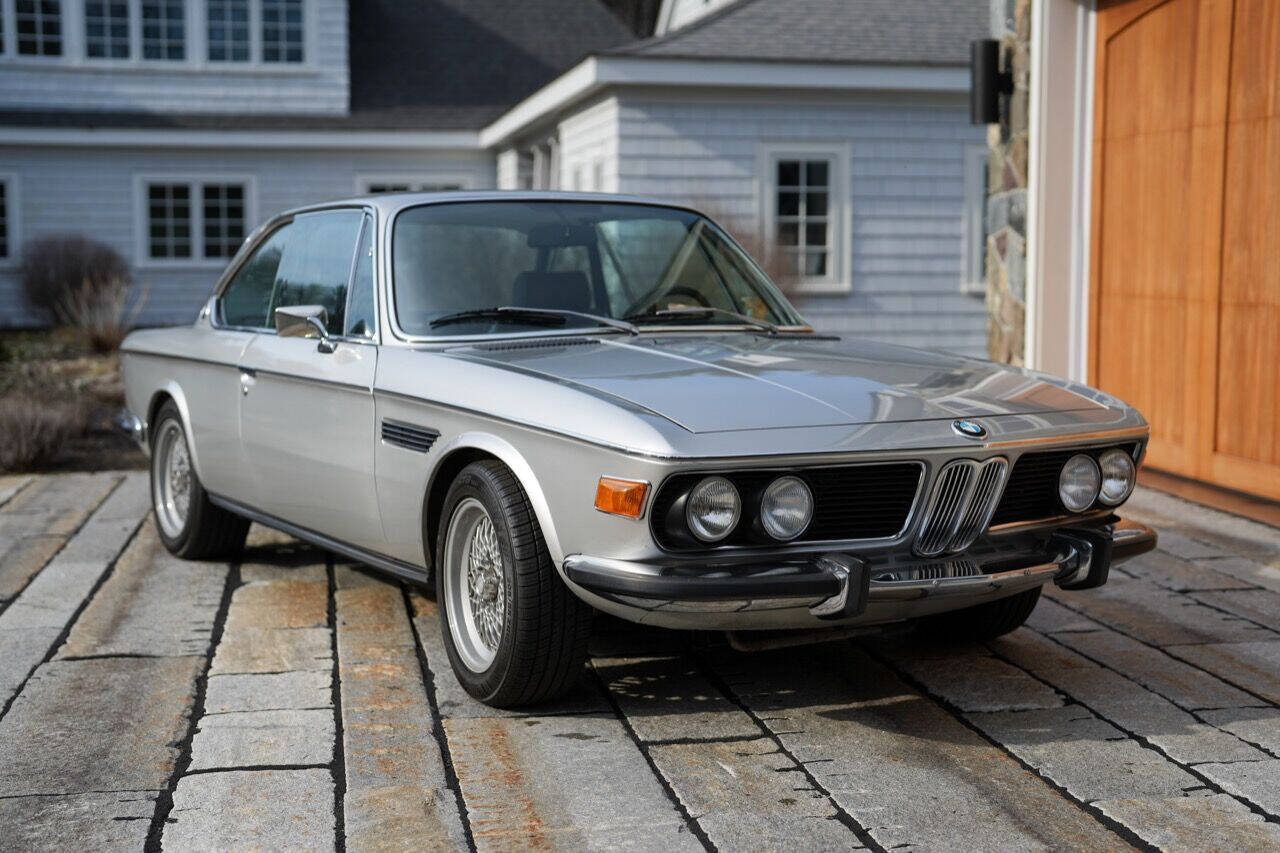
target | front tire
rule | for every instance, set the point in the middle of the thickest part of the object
(984, 621)
(189, 524)
(514, 632)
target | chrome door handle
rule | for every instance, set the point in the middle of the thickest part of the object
(247, 381)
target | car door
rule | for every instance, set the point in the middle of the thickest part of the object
(306, 410)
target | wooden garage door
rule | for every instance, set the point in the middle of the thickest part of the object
(1185, 303)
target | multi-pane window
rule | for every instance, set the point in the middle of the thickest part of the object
(4, 220)
(164, 32)
(169, 221)
(223, 219)
(803, 216)
(39, 27)
(194, 220)
(106, 29)
(281, 30)
(228, 25)
(394, 186)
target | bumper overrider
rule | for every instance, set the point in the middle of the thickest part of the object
(848, 588)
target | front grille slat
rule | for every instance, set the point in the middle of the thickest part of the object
(959, 508)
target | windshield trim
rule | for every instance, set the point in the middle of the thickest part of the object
(400, 334)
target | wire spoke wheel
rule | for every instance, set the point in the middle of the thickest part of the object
(475, 585)
(173, 479)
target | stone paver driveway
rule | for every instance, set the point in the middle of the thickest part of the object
(289, 700)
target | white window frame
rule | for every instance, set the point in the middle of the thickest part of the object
(414, 180)
(13, 219)
(973, 281)
(839, 277)
(75, 47)
(141, 218)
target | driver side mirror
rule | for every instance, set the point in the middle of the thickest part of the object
(304, 321)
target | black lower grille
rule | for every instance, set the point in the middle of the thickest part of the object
(850, 502)
(1032, 490)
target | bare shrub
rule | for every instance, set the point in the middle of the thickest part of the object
(33, 430)
(102, 312)
(55, 266)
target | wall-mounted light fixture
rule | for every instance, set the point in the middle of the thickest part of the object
(987, 81)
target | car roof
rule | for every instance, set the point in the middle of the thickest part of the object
(390, 203)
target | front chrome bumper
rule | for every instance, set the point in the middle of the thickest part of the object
(132, 426)
(844, 588)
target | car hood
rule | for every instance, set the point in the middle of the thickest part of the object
(721, 382)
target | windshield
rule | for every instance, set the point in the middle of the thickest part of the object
(642, 263)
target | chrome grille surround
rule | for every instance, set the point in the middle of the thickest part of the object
(964, 496)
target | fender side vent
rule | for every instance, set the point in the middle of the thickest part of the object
(408, 436)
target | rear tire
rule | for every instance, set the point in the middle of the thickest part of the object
(984, 621)
(189, 524)
(514, 632)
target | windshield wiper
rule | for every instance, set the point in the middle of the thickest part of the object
(521, 314)
(701, 311)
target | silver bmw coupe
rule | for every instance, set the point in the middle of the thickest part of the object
(548, 404)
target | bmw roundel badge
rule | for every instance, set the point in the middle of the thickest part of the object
(969, 429)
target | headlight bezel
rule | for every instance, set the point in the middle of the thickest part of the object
(1094, 489)
(777, 484)
(1116, 453)
(690, 510)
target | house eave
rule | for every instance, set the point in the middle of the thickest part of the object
(596, 73)
(312, 139)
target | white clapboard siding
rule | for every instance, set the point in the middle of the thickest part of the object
(589, 148)
(906, 195)
(679, 13)
(320, 85)
(95, 192)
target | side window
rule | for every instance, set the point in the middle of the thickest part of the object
(247, 299)
(362, 307)
(316, 265)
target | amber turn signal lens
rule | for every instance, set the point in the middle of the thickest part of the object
(621, 497)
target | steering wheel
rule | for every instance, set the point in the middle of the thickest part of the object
(678, 290)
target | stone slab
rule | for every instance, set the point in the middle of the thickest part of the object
(666, 699)
(1259, 605)
(267, 650)
(1194, 824)
(1050, 617)
(282, 603)
(1123, 702)
(1252, 665)
(397, 797)
(979, 682)
(1180, 575)
(21, 557)
(1252, 571)
(897, 762)
(557, 782)
(1089, 757)
(100, 821)
(263, 738)
(748, 795)
(11, 484)
(55, 504)
(1255, 781)
(97, 725)
(152, 604)
(1160, 672)
(271, 692)
(1189, 543)
(252, 810)
(1157, 616)
(1259, 726)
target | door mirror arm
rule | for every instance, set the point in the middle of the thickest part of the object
(305, 321)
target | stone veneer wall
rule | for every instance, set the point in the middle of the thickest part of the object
(1007, 188)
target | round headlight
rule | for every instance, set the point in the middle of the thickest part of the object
(1118, 476)
(1078, 483)
(712, 509)
(786, 508)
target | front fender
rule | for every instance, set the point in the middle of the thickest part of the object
(513, 459)
(173, 390)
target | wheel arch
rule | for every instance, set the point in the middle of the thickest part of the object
(458, 453)
(171, 390)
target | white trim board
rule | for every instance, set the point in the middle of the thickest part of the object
(597, 72)
(332, 139)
